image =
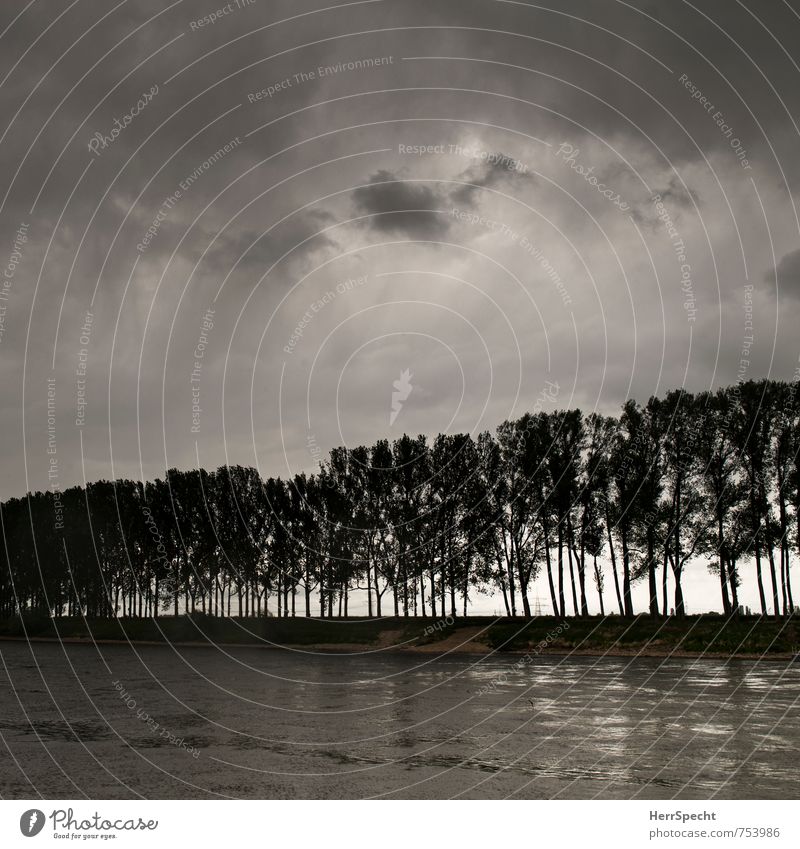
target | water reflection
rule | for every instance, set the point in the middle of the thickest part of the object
(273, 724)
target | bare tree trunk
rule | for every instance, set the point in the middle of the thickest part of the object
(626, 575)
(651, 572)
(762, 597)
(523, 591)
(614, 564)
(405, 585)
(599, 582)
(723, 571)
(561, 605)
(369, 586)
(732, 580)
(511, 586)
(550, 570)
(723, 580)
(572, 573)
(773, 576)
(680, 609)
(505, 597)
(582, 571)
(443, 600)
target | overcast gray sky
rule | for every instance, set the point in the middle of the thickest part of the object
(463, 190)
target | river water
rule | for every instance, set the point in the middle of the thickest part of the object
(162, 722)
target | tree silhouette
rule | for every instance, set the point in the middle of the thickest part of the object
(434, 524)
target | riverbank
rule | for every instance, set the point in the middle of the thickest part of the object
(709, 635)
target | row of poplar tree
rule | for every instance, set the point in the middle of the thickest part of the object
(593, 504)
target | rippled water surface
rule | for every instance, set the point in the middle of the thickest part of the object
(279, 724)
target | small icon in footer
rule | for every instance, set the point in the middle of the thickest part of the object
(31, 822)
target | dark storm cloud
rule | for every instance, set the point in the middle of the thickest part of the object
(399, 207)
(788, 274)
(414, 209)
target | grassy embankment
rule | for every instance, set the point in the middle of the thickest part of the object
(708, 634)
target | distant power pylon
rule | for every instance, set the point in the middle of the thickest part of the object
(537, 609)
